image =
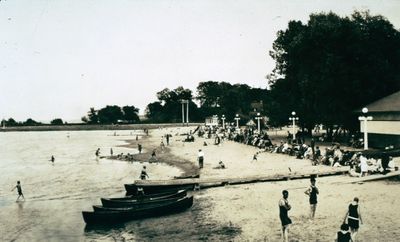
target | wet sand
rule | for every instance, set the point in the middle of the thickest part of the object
(250, 212)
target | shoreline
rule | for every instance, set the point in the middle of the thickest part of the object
(88, 127)
(150, 143)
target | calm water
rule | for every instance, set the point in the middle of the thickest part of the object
(56, 194)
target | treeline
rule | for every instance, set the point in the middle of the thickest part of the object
(112, 115)
(30, 122)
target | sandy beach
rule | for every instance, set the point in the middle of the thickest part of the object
(250, 212)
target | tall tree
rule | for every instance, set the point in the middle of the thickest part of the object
(110, 114)
(130, 114)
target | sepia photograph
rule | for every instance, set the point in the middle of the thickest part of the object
(199, 120)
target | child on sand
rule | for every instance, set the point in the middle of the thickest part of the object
(343, 235)
(19, 189)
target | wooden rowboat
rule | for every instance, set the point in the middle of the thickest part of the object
(113, 217)
(124, 205)
(123, 202)
(132, 189)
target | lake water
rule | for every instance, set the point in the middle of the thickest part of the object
(57, 194)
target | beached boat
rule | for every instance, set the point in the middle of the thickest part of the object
(113, 217)
(123, 205)
(150, 196)
(122, 202)
(187, 177)
(132, 189)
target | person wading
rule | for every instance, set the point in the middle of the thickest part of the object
(19, 189)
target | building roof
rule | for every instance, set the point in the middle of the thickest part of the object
(389, 103)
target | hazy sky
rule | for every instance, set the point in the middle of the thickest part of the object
(58, 58)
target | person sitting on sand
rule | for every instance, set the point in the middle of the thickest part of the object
(353, 217)
(143, 174)
(255, 157)
(52, 159)
(284, 207)
(19, 189)
(343, 235)
(221, 165)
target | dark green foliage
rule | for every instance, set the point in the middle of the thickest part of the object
(30, 122)
(222, 98)
(112, 115)
(329, 67)
(56, 121)
(169, 107)
(130, 114)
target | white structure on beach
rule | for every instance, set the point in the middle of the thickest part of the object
(384, 129)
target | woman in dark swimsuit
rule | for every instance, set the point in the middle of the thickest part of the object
(353, 217)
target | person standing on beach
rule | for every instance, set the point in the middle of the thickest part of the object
(312, 192)
(139, 146)
(284, 207)
(111, 152)
(52, 159)
(167, 139)
(19, 189)
(143, 174)
(200, 158)
(353, 217)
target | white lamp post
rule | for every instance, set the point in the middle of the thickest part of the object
(223, 121)
(258, 117)
(294, 118)
(184, 101)
(365, 118)
(237, 118)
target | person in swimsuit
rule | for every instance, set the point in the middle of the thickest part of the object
(353, 217)
(312, 192)
(343, 235)
(139, 148)
(143, 174)
(19, 189)
(284, 207)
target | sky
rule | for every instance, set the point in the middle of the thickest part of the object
(58, 58)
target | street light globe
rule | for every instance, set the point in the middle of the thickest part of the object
(223, 115)
(365, 110)
(258, 114)
(237, 115)
(293, 113)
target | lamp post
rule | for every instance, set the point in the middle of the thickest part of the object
(183, 112)
(237, 118)
(184, 101)
(294, 119)
(258, 117)
(365, 118)
(223, 121)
